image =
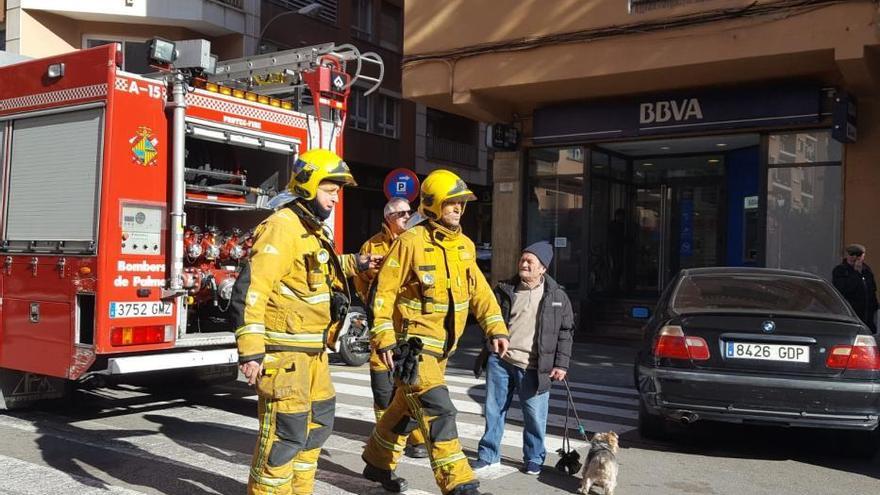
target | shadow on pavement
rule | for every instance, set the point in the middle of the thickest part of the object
(67, 448)
(825, 448)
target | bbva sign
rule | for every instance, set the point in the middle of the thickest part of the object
(670, 110)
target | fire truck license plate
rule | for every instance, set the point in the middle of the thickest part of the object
(140, 309)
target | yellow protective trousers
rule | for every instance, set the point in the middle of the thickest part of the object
(427, 406)
(296, 408)
(383, 387)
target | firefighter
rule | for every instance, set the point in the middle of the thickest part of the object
(428, 282)
(287, 303)
(396, 213)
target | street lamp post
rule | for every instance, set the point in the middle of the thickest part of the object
(310, 10)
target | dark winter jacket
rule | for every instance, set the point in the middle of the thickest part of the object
(859, 289)
(555, 322)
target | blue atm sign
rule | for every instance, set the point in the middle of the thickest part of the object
(402, 183)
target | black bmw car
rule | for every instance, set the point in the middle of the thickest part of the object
(758, 346)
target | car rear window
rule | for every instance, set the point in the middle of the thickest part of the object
(776, 293)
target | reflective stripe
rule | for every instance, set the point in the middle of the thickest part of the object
(490, 320)
(269, 480)
(462, 306)
(438, 308)
(252, 329)
(314, 338)
(427, 340)
(409, 303)
(384, 327)
(318, 298)
(448, 460)
(385, 443)
(305, 466)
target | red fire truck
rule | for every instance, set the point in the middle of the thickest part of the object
(128, 200)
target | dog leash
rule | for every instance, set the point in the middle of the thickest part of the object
(571, 406)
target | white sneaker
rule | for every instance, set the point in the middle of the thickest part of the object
(480, 465)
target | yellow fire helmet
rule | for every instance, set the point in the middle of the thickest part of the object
(314, 166)
(438, 187)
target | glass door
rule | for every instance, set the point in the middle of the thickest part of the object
(650, 210)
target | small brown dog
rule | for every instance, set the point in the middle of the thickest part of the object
(600, 467)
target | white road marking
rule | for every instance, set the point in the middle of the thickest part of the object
(26, 478)
(469, 406)
(556, 391)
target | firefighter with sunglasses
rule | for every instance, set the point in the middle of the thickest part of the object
(428, 282)
(288, 303)
(396, 213)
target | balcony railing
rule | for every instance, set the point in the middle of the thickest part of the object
(237, 4)
(451, 151)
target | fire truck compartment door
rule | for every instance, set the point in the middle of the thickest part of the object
(37, 336)
(54, 177)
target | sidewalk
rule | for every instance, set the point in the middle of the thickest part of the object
(613, 362)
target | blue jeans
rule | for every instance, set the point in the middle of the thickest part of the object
(502, 380)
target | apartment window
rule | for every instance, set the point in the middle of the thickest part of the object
(135, 51)
(362, 19)
(359, 109)
(386, 116)
(391, 25)
(328, 13)
(379, 114)
(451, 138)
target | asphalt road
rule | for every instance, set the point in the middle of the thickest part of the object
(170, 438)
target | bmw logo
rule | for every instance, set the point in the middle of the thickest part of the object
(768, 326)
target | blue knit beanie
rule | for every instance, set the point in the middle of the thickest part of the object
(543, 251)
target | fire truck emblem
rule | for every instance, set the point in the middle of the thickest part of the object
(143, 149)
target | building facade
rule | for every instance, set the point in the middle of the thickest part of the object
(40, 28)
(660, 135)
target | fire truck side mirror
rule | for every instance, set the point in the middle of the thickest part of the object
(162, 51)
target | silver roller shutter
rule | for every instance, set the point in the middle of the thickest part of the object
(54, 177)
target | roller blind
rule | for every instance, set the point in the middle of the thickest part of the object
(54, 176)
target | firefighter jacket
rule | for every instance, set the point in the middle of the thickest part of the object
(281, 300)
(379, 244)
(430, 277)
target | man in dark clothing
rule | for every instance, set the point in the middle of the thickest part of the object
(540, 320)
(855, 281)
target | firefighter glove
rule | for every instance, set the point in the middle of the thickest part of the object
(339, 304)
(406, 360)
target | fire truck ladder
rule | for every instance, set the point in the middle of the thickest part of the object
(281, 72)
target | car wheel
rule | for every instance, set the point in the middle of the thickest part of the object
(651, 426)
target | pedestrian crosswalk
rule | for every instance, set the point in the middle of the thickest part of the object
(182, 435)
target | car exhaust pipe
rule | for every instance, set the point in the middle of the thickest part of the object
(687, 418)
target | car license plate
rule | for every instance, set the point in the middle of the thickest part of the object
(768, 352)
(140, 309)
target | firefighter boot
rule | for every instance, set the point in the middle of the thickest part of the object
(415, 450)
(386, 477)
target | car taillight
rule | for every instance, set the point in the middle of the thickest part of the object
(673, 344)
(153, 334)
(862, 355)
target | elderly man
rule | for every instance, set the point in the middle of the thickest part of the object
(855, 281)
(396, 214)
(540, 321)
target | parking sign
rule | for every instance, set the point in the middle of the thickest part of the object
(402, 183)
